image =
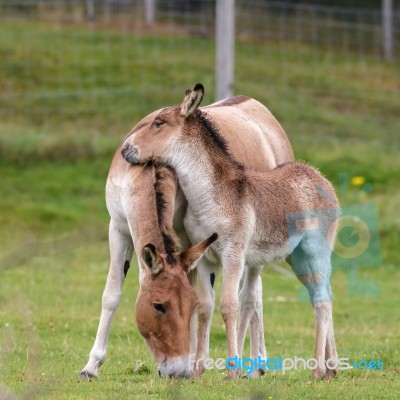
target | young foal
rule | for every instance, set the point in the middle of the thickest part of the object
(266, 146)
(141, 201)
(259, 217)
(257, 140)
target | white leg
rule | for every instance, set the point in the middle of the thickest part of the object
(321, 310)
(244, 317)
(206, 273)
(257, 342)
(330, 350)
(251, 312)
(248, 298)
(193, 333)
(121, 249)
(233, 266)
(320, 295)
(185, 243)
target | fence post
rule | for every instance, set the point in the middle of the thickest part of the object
(387, 29)
(90, 14)
(225, 45)
(150, 11)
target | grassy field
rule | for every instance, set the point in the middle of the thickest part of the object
(57, 138)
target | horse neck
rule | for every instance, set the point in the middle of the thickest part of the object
(205, 176)
(155, 210)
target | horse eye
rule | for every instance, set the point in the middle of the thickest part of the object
(158, 122)
(160, 307)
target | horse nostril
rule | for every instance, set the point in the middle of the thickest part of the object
(125, 148)
(129, 153)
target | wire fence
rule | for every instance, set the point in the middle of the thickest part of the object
(103, 61)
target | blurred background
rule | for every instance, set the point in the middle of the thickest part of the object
(80, 73)
(75, 76)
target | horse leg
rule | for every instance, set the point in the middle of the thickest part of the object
(331, 356)
(192, 276)
(121, 249)
(257, 341)
(233, 266)
(251, 312)
(312, 267)
(193, 334)
(206, 272)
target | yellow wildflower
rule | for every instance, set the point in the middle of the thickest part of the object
(357, 180)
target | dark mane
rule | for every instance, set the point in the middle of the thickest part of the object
(161, 204)
(213, 133)
(210, 131)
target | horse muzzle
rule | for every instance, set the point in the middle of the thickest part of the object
(130, 153)
(174, 368)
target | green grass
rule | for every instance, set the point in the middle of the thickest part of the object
(70, 95)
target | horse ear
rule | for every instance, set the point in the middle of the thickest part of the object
(190, 257)
(192, 100)
(151, 259)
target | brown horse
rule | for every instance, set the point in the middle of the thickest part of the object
(260, 217)
(141, 203)
(257, 140)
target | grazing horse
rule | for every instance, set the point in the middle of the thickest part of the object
(257, 140)
(259, 216)
(141, 201)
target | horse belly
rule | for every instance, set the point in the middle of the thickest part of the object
(261, 253)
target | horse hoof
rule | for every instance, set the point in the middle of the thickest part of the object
(233, 374)
(196, 374)
(330, 374)
(256, 373)
(87, 375)
(319, 373)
